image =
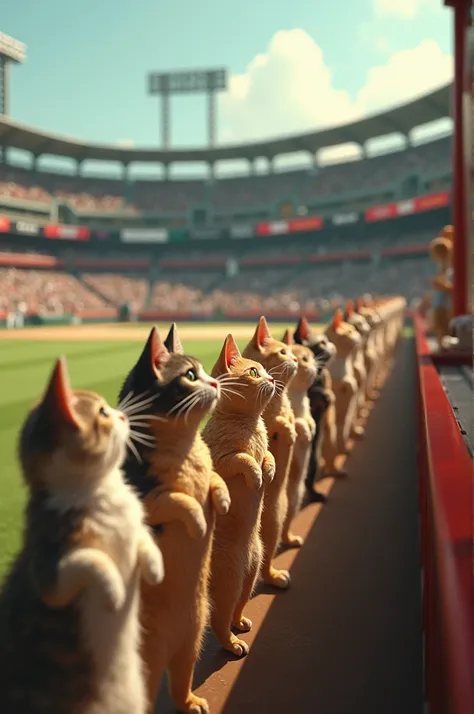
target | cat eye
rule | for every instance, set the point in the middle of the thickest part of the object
(103, 412)
(253, 372)
(191, 375)
(283, 352)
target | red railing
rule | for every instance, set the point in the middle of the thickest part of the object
(446, 510)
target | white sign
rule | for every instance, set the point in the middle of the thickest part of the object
(144, 235)
(344, 219)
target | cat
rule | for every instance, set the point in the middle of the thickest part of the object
(322, 404)
(238, 440)
(69, 607)
(182, 494)
(346, 339)
(360, 372)
(279, 361)
(305, 431)
(373, 348)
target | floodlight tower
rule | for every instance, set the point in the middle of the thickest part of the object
(11, 51)
(164, 84)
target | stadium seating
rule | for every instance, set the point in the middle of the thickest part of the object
(90, 195)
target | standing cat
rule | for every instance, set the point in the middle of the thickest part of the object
(360, 372)
(373, 347)
(305, 431)
(237, 438)
(69, 619)
(182, 493)
(322, 404)
(279, 361)
(346, 339)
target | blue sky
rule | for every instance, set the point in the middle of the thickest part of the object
(87, 60)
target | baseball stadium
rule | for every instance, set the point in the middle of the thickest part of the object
(379, 617)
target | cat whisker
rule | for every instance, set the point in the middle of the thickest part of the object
(131, 400)
(190, 406)
(134, 450)
(152, 417)
(138, 423)
(125, 400)
(226, 391)
(129, 410)
(181, 403)
(135, 436)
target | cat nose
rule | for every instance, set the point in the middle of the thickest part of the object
(271, 380)
(295, 360)
(214, 383)
(122, 417)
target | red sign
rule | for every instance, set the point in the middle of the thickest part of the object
(5, 224)
(62, 232)
(311, 223)
(295, 225)
(408, 206)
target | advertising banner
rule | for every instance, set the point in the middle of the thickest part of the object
(408, 207)
(241, 230)
(344, 219)
(5, 224)
(63, 232)
(26, 228)
(294, 225)
(144, 235)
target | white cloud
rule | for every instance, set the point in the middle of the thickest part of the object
(404, 9)
(290, 89)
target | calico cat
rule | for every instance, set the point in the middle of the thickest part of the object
(279, 361)
(182, 494)
(69, 608)
(346, 339)
(362, 326)
(305, 431)
(237, 438)
(322, 404)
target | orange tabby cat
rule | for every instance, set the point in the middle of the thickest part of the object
(69, 608)
(182, 494)
(279, 361)
(305, 431)
(346, 339)
(237, 438)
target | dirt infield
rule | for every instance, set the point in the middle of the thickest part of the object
(120, 333)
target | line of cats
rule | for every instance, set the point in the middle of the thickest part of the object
(141, 529)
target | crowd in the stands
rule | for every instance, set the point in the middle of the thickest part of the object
(96, 195)
(45, 292)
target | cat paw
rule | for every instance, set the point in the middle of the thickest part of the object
(221, 501)
(196, 524)
(358, 431)
(195, 705)
(303, 431)
(152, 567)
(293, 541)
(238, 647)
(114, 594)
(243, 625)
(254, 477)
(278, 579)
(268, 468)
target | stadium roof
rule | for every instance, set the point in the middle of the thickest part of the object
(401, 119)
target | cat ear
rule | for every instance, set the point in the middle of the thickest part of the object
(337, 319)
(288, 338)
(349, 308)
(172, 341)
(262, 334)
(58, 396)
(154, 353)
(231, 351)
(359, 304)
(303, 329)
(228, 356)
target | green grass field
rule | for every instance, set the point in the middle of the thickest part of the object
(101, 366)
(24, 369)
